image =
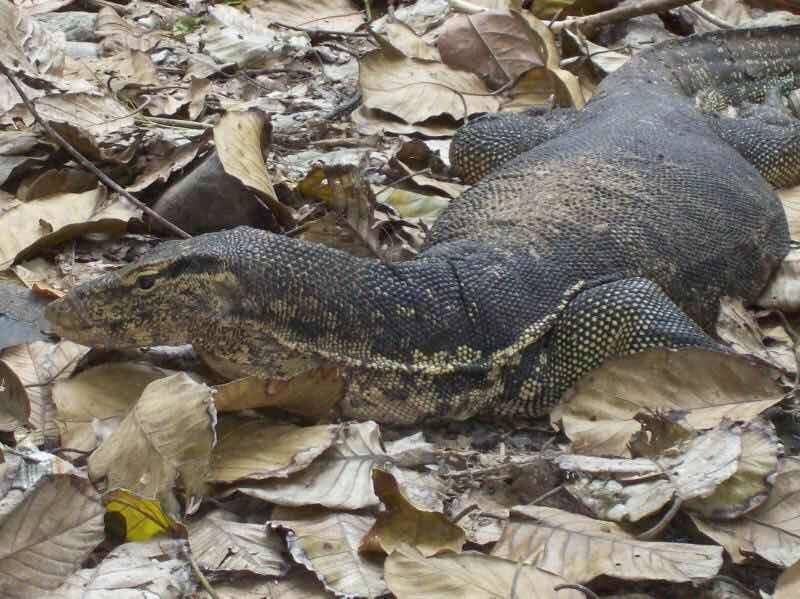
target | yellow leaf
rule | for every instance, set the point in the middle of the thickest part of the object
(143, 518)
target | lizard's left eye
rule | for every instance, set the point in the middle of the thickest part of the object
(145, 282)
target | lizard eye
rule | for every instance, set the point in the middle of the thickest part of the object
(145, 282)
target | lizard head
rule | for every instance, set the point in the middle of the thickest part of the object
(164, 299)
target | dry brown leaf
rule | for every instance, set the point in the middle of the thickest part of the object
(738, 327)
(156, 568)
(469, 575)
(240, 139)
(260, 449)
(783, 290)
(341, 478)
(629, 490)
(46, 537)
(299, 584)
(120, 34)
(402, 523)
(28, 371)
(56, 219)
(497, 46)
(327, 544)
(788, 585)
(598, 412)
(99, 114)
(225, 546)
(168, 434)
(235, 36)
(772, 531)
(750, 486)
(375, 122)
(332, 15)
(160, 169)
(28, 46)
(98, 398)
(404, 39)
(416, 90)
(312, 394)
(553, 540)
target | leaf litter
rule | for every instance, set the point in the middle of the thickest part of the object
(330, 121)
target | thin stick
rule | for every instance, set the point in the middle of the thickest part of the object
(709, 16)
(620, 13)
(322, 31)
(85, 162)
(201, 577)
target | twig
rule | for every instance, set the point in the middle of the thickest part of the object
(401, 179)
(180, 123)
(201, 577)
(108, 181)
(577, 587)
(652, 533)
(709, 16)
(322, 31)
(544, 496)
(620, 13)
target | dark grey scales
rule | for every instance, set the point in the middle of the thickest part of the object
(618, 232)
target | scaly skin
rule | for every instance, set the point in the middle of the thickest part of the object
(615, 235)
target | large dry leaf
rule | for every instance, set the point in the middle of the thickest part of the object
(783, 290)
(312, 394)
(788, 585)
(89, 111)
(629, 490)
(225, 546)
(772, 531)
(704, 386)
(121, 34)
(33, 225)
(402, 523)
(415, 90)
(300, 584)
(47, 536)
(403, 38)
(341, 478)
(327, 544)
(157, 568)
(495, 45)
(166, 436)
(28, 371)
(332, 15)
(236, 37)
(580, 549)
(259, 449)
(28, 46)
(97, 398)
(469, 575)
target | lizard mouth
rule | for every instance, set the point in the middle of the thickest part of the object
(67, 320)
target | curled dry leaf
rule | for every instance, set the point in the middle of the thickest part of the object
(120, 34)
(225, 546)
(32, 226)
(553, 540)
(159, 170)
(469, 575)
(404, 524)
(772, 531)
(100, 394)
(327, 544)
(621, 490)
(341, 478)
(236, 37)
(259, 449)
(100, 114)
(415, 90)
(750, 486)
(494, 45)
(403, 38)
(28, 46)
(166, 436)
(28, 371)
(47, 536)
(156, 568)
(598, 412)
